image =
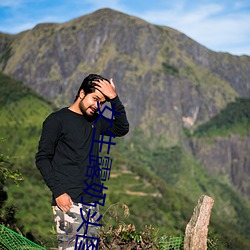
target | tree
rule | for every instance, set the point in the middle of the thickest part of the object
(7, 215)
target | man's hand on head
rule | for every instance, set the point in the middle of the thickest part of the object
(108, 89)
(64, 202)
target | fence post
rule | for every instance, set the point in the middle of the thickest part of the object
(197, 228)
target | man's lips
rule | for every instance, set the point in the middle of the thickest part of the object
(93, 110)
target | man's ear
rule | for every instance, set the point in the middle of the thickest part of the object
(81, 94)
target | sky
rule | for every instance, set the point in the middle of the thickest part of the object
(219, 25)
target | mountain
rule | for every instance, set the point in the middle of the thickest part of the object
(161, 74)
(166, 80)
(171, 87)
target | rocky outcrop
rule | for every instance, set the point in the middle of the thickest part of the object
(227, 157)
(197, 229)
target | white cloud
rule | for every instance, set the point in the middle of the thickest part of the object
(239, 50)
(216, 25)
(207, 24)
(10, 3)
(20, 27)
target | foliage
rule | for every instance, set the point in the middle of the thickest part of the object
(170, 70)
(127, 236)
(22, 113)
(6, 172)
(234, 118)
(180, 180)
(6, 56)
(7, 214)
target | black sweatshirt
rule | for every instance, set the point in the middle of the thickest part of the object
(64, 149)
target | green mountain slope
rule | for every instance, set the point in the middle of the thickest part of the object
(160, 185)
(21, 115)
(235, 117)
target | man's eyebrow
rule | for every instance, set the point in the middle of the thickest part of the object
(97, 97)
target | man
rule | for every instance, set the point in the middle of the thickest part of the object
(63, 155)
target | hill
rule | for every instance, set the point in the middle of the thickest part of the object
(161, 74)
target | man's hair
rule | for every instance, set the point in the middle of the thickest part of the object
(88, 85)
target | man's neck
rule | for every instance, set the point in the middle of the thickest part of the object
(75, 108)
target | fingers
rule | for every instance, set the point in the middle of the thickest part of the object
(64, 202)
(68, 205)
(101, 83)
(107, 88)
(65, 209)
(112, 83)
(104, 83)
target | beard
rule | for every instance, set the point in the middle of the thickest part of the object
(84, 109)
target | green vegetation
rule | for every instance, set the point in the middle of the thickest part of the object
(6, 49)
(146, 239)
(156, 186)
(5, 171)
(170, 70)
(6, 56)
(234, 118)
(181, 180)
(22, 113)
(7, 214)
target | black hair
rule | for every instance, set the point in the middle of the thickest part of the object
(88, 85)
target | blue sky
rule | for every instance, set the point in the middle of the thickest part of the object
(220, 25)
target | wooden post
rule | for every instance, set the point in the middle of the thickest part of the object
(197, 228)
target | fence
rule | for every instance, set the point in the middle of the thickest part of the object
(10, 240)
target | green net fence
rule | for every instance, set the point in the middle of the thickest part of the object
(172, 243)
(11, 240)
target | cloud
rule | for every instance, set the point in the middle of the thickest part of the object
(25, 14)
(212, 25)
(220, 26)
(10, 3)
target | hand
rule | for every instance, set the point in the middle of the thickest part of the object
(108, 89)
(64, 202)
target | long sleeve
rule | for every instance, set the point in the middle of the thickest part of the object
(120, 125)
(46, 149)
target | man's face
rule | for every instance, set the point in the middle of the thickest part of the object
(88, 103)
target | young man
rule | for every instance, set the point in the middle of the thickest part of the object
(63, 155)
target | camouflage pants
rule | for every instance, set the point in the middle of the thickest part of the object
(80, 217)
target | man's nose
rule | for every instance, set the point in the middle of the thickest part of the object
(98, 104)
